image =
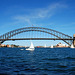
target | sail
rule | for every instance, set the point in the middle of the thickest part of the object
(51, 46)
(45, 46)
(31, 46)
(72, 46)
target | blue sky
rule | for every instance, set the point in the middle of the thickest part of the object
(55, 14)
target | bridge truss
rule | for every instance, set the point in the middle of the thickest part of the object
(58, 35)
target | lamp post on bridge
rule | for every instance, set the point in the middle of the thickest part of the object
(74, 40)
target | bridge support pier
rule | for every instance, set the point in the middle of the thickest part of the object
(74, 40)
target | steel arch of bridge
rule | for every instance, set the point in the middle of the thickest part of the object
(55, 33)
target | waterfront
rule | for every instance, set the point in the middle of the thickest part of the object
(41, 61)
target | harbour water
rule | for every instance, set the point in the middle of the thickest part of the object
(41, 61)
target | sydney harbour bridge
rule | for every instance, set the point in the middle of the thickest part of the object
(47, 34)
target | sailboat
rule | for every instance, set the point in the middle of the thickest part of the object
(72, 46)
(31, 48)
(45, 46)
(51, 46)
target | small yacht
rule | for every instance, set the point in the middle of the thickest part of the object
(51, 46)
(31, 48)
(45, 46)
(72, 46)
(21, 49)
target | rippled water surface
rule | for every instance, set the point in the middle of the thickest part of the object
(41, 61)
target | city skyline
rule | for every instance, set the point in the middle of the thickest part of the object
(53, 14)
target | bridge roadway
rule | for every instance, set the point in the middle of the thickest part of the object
(13, 39)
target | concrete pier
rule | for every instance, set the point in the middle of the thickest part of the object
(74, 40)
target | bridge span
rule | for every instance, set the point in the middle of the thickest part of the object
(57, 35)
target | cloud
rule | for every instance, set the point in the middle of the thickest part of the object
(48, 11)
(40, 13)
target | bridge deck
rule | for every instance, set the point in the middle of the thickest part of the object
(38, 39)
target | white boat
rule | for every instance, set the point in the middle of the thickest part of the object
(45, 46)
(72, 46)
(51, 46)
(31, 48)
(21, 49)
